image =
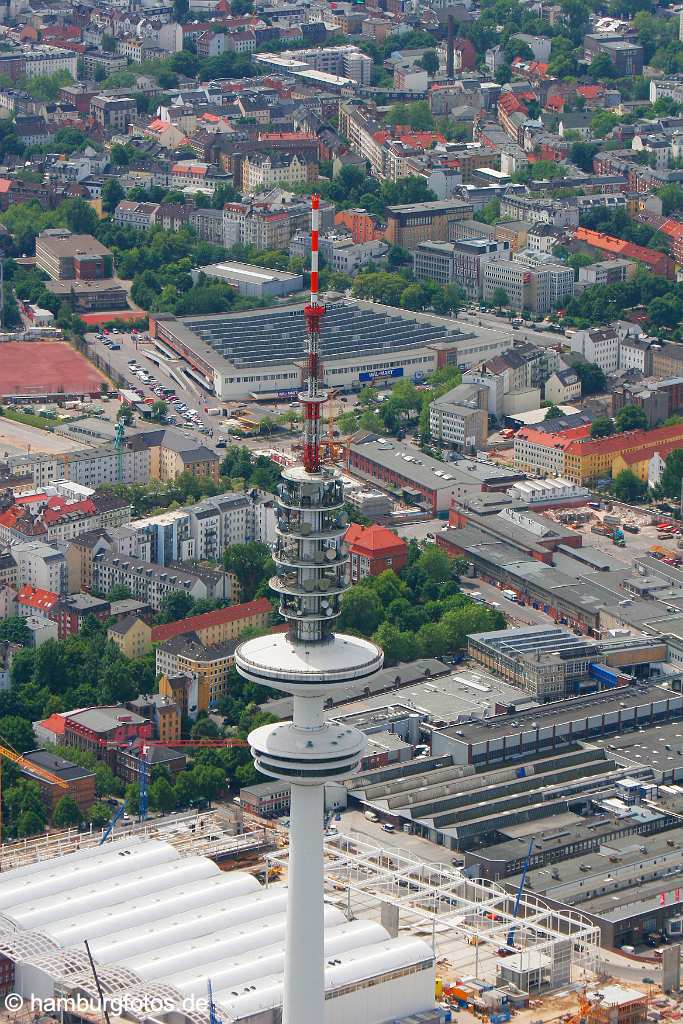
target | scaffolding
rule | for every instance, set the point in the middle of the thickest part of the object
(551, 948)
(199, 833)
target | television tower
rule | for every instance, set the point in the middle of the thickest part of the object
(312, 663)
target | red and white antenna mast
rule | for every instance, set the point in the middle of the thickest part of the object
(313, 397)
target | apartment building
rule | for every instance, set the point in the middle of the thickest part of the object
(599, 345)
(193, 674)
(541, 453)
(132, 635)
(563, 386)
(113, 113)
(558, 212)
(151, 583)
(458, 262)
(83, 550)
(220, 625)
(605, 272)
(459, 419)
(366, 136)
(583, 460)
(205, 530)
(47, 60)
(263, 171)
(374, 549)
(171, 453)
(40, 565)
(270, 225)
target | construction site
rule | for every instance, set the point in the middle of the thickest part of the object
(181, 920)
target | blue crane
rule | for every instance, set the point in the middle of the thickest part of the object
(213, 1014)
(111, 824)
(518, 897)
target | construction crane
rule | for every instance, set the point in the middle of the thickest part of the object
(110, 826)
(27, 766)
(213, 1014)
(518, 897)
(202, 743)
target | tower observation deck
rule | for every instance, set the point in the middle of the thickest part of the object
(311, 662)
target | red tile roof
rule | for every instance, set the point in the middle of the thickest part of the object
(617, 442)
(590, 92)
(55, 723)
(559, 440)
(374, 540)
(607, 243)
(233, 613)
(41, 600)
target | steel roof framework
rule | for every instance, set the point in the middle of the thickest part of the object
(457, 906)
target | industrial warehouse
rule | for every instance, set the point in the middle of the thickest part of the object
(261, 352)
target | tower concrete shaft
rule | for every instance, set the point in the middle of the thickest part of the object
(311, 662)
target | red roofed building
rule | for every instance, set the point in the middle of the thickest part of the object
(658, 262)
(363, 226)
(373, 549)
(218, 626)
(588, 459)
(673, 229)
(33, 601)
(537, 451)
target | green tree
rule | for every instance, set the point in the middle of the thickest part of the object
(14, 629)
(185, 788)
(67, 813)
(435, 563)
(499, 298)
(670, 484)
(432, 640)
(593, 380)
(17, 732)
(362, 610)
(398, 646)
(119, 592)
(98, 815)
(630, 417)
(159, 411)
(112, 194)
(80, 217)
(175, 606)
(602, 426)
(672, 198)
(162, 796)
(132, 798)
(628, 487)
(553, 412)
(119, 155)
(29, 824)
(125, 414)
(251, 563)
(582, 153)
(430, 62)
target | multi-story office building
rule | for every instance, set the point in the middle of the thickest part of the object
(538, 290)
(64, 256)
(459, 419)
(458, 262)
(412, 223)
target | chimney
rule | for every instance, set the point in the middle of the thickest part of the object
(450, 64)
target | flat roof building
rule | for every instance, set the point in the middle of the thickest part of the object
(255, 282)
(261, 352)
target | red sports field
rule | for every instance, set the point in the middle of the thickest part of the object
(45, 368)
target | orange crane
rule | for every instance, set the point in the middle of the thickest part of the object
(28, 766)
